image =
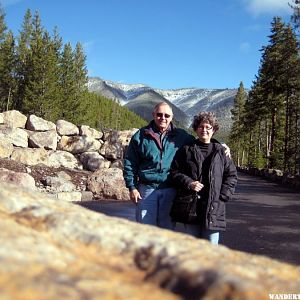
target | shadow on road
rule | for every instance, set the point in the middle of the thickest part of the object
(263, 218)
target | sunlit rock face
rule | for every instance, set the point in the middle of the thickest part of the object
(54, 249)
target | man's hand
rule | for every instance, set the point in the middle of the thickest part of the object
(227, 150)
(135, 196)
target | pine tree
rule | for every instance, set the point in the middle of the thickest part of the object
(237, 132)
(272, 109)
(68, 83)
(79, 105)
(295, 18)
(3, 26)
(272, 69)
(23, 50)
(8, 72)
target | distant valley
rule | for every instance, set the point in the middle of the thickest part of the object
(186, 102)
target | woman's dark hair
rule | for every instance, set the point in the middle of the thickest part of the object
(207, 117)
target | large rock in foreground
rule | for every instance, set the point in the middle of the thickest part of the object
(53, 249)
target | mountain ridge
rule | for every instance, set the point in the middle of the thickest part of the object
(186, 102)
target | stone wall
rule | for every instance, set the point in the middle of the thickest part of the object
(34, 141)
(58, 250)
(274, 175)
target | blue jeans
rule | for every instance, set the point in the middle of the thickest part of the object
(154, 207)
(199, 232)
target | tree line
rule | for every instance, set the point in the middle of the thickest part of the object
(43, 76)
(266, 120)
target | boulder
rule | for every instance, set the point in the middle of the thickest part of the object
(17, 136)
(6, 148)
(108, 184)
(54, 249)
(58, 184)
(78, 144)
(23, 180)
(35, 123)
(66, 128)
(93, 160)
(62, 159)
(112, 150)
(43, 139)
(90, 132)
(30, 156)
(14, 118)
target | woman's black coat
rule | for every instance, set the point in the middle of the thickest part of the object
(187, 167)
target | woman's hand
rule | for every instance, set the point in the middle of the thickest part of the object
(196, 186)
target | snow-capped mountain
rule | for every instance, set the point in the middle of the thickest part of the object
(186, 101)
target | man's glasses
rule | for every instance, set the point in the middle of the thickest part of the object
(160, 115)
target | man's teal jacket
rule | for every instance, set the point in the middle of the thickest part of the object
(148, 157)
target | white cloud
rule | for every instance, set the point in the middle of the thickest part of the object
(258, 7)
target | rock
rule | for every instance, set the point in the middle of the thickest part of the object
(43, 139)
(112, 150)
(66, 128)
(30, 156)
(78, 144)
(80, 254)
(38, 124)
(1, 118)
(108, 184)
(90, 132)
(6, 148)
(93, 160)
(86, 196)
(63, 159)
(58, 184)
(117, 164)
(14, 118)
(23, 180)
(69, 196)
(17, 136)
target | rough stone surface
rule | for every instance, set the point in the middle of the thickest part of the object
(51, 249)
(108, 184)
(63, 159)
(93, 161)
(78, 144)
(90, 132)
(30, 156)
(23, 180)
(43, 139)
(6, 148)
(38, 124)
(17, 136)
(66, 128)
(14, 118)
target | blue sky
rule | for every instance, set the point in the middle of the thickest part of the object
(165, 44)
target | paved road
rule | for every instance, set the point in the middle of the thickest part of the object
(263, 218)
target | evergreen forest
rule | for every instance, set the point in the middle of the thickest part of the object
(266, 119)
(43, 76)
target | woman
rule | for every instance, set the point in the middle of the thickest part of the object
(203, 167)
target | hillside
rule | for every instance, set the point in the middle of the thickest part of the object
(186, 102)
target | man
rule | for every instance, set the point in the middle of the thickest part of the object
(147, 164)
